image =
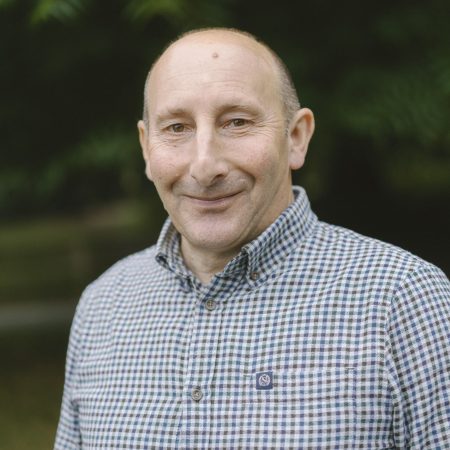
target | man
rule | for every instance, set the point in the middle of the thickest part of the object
(251, 324)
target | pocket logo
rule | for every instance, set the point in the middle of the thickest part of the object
(264, 380)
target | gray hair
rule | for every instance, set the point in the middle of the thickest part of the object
(289, 97)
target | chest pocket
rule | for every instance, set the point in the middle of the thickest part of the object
(312, 409)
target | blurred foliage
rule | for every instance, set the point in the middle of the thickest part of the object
(377, 75)
(62, 10)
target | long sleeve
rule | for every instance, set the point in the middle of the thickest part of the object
(68, 435)
(418, 360)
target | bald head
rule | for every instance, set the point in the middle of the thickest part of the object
(278, 77)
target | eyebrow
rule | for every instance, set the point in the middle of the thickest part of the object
(238, 107)
(171, 112)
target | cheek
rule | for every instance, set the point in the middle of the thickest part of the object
(264, 161)
(164, 169)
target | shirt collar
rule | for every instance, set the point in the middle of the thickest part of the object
(258, 257)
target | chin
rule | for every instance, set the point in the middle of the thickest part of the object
(214, 240)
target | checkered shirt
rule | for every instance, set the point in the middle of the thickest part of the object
(313, 337)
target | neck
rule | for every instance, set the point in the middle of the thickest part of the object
(204, 264)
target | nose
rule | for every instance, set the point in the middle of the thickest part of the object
(208, 164)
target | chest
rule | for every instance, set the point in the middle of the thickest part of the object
(280, 366)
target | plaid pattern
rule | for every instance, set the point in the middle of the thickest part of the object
(313, 337)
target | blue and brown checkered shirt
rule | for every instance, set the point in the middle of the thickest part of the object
(313, 337)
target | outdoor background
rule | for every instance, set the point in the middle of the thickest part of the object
(73, 195)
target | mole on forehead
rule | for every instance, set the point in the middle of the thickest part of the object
(215, 55)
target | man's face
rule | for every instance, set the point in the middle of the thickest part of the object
(216, 146)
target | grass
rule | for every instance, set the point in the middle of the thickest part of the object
(31, 383)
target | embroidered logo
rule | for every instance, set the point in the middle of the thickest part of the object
(264, 380)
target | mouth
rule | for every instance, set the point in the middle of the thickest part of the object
(221, 200)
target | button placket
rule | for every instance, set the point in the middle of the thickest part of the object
(205, 338)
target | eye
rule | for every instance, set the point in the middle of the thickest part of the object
(236, 123)
(177, 128)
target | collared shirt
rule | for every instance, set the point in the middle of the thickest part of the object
(313, 337)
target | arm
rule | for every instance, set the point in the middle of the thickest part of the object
(68, 436)
(418, 360)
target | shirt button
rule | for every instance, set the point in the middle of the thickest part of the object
(196, 394)
(254, 276)
(210, 304)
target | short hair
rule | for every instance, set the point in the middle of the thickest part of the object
(288, 93)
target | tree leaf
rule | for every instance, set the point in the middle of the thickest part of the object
(144, 10)
(62, 10)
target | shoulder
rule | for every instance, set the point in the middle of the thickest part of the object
(120, 281)
(336, 254)
(364, 254)
(130, 268)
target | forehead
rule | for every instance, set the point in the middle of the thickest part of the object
(216, 62)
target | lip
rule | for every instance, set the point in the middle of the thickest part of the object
(213, 202)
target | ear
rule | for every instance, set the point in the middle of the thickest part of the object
(143, 139)
(301, 130)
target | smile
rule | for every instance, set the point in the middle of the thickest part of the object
(220, 201)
